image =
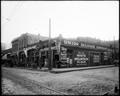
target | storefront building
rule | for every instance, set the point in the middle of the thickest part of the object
(69, 53)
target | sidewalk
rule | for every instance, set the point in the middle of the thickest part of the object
(62, 70)
(55, 70)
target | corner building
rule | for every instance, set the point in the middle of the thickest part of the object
(70, 53)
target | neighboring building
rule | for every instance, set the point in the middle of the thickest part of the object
(15, 45)
(6, 51)
(25, 40)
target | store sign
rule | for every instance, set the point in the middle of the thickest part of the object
(31, 47)
(87, 45)
(99, 47)
(105, 56)
(96, 58)
(84, 45)
(63, 53)
(81, 58)
(71, 42)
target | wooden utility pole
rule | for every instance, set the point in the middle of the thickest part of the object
(18, 54)
(114, 49)
(49, 63)
(114, 74)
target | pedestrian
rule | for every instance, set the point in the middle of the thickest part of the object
(40, 63)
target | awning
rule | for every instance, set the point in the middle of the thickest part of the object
(25, 51)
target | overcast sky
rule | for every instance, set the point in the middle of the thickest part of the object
(97, 19)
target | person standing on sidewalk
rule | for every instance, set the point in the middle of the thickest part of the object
(40, 63)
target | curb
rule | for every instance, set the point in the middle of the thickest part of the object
(57, 72)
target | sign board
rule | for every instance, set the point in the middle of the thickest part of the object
(63, 53)
(71, 42)
(105, 56)
(87, 45)
(96, 58)
(83, 45)
(81, 58)
(100, 47)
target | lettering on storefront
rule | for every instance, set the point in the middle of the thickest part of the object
(71, 42)
(96, 58)
(31, 47)
(87, 45)
(63, 53)
(99, 47)
(84, 45)
(81, 58)
(105, 56)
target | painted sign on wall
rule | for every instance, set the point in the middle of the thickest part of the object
(96, 58)
(84, 45)
(63, 53)
(105, 56)
(87, 45)
(81, 58)
(71, 42)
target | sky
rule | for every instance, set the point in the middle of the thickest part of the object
(96, 19)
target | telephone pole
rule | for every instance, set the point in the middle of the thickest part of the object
(49, 63)
(114, 49)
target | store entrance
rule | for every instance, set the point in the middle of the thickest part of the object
(69, 58)
(56, 63)
(43, 61)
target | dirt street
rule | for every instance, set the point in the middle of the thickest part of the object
(86, 82)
